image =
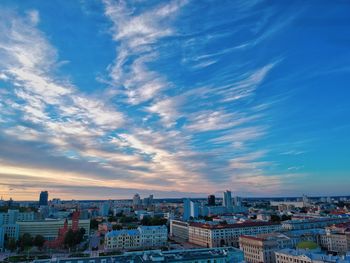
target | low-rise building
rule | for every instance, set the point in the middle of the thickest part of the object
(123, 239)
(179, 229)
(303, 256)
(49, 228)
(337, 238)
(206, 255)
(262, 248)
(142, 237)
(312, 223)
(218, 235)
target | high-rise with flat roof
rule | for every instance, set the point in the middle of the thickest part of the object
(211, 200)
(44, 198)
(227, 200)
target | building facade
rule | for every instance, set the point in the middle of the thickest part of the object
(337, 238)
(142, 237)
(300, 256)
(179, 229)
(44, 198)
(312, 223)
(262, 248)
(211, 235)
(49, 228)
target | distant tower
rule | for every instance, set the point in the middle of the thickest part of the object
(211, 200)
(75, 221)
(136, 201)
(227, 200)
(190, 209)
(305, 200)
(44, 198)
(237, 201)
(187, 209)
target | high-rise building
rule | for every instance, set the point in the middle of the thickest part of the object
(136, 201)
(227, 200)
(237, 201)
(211, 200)
(191, 209)
(186, 209)
(194, 209)
(44, 198)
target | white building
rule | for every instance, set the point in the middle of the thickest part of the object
(214, 235)
(142, 237)
(153, 236)
(302, 256)
(227, 199)
(190, 209)
(179, 229)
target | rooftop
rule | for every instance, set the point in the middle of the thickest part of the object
(237, 225)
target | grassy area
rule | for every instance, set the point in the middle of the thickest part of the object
(79, 255)
(21, 258)
(307, 245)
(112, 253)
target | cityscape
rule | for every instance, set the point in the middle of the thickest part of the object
(184, 131)
(225, 228)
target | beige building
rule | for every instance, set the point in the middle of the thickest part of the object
(337, 238)
(262, 248)
(302, 256)
(179, 229)
(123, 240)
(218, 235)
(142, 237)
(49, 228)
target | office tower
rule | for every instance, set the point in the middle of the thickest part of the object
(136, 201)
(211, 200)
(227, 200)
(305, 200)
(186, 209)
(104, 209)
(194, 209)
(44, 198)
(237, 201)
(147, 201)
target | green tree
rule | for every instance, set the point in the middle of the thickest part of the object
(26, 241)
(275, 218)
(39, 241)
(153, 221)
(117, 227)
(11, 244)
(69, 239)
(94, 224)
(286, 217)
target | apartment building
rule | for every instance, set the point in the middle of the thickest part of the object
(218, 235)
(337, 238)
(49, 228)
(262, 248)
(179, 229)
(302, 256)
(142, 237)
(312, 223)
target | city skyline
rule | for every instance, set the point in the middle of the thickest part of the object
(104, 99)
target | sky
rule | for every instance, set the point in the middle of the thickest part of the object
(179, 98)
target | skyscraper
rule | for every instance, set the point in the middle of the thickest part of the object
(191, 209)
(186, 209)
(227, 200)
(136, 201)
(211, 200)
(44, 198)
(237, 201)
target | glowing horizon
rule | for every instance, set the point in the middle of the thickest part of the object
(103, 99)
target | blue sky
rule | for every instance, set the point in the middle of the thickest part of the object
(102, 99)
